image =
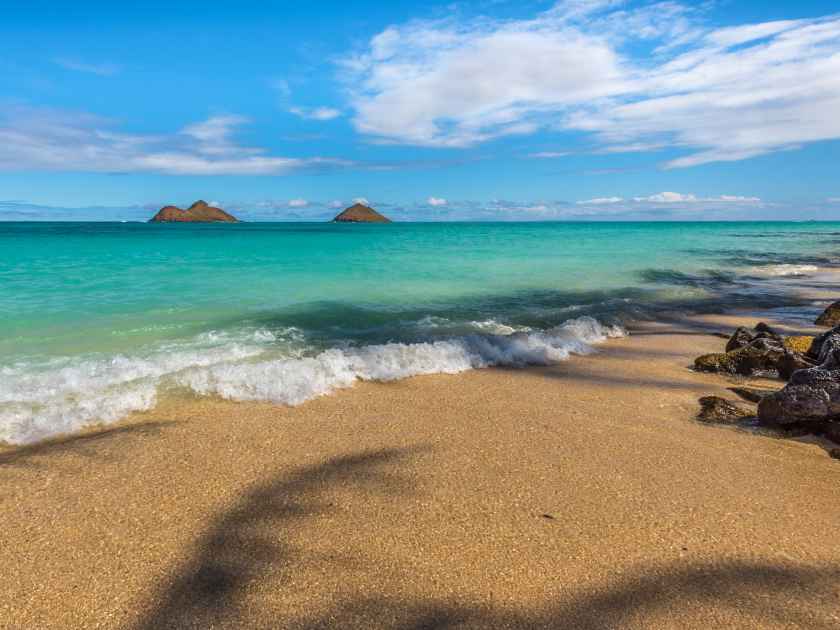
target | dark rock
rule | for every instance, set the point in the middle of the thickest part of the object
(760, 357)
(716, 362)
(715, 409)
(815, 377)
(826, 346)
(761, 327)
(795, 404)
(791, 362)
(831, 431)
(739, 339)
(834, 453)
(760, 353)
(830, 316)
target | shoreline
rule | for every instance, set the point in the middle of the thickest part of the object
(582, 494)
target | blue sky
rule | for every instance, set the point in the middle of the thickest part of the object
(727, 109)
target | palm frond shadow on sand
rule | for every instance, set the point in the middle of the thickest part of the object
(233, 555)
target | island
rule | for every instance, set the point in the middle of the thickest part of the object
(360, 213)
(199, 212)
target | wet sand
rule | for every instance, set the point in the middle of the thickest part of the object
(582, 495)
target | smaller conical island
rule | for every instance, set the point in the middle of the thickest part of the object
(360, 213)
(199, 212)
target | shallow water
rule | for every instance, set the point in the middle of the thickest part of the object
(99, 319)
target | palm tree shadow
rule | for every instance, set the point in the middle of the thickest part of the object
(235, 552)
(78, 444)
(754, 593)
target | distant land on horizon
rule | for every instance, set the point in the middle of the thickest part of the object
(360, 213)
(199, 212)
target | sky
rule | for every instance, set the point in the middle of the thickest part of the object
(475, 110)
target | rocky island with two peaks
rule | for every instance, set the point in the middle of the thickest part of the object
(199, 212)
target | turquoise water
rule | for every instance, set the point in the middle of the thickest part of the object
(100, 319)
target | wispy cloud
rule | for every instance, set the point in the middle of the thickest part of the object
(316, 113)
(599, 201)
(51, 140)
(436, 201)
(720, 94)
(101, 69)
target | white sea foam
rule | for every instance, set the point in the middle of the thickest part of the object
(786, 270)
(37, 401)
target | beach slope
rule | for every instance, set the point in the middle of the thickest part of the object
(582, 495)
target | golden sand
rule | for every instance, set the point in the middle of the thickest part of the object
(582, 495)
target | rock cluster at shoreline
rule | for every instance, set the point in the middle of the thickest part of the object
(810, 401)
(758, 352)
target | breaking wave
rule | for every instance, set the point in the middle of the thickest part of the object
(786, 270)
(38, 400)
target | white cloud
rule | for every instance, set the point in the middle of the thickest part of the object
(717, 94)
(362, 201)
(298, 203)
(737, 199)
(668, 197)
(335, 203)
(601, 200)
(317, 113)
(49, 140)
(675, 197)
(436, 201)
(101, 69)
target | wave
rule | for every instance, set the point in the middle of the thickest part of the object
(786, 270)
(41, 400)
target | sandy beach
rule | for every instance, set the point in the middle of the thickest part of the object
(582, 495)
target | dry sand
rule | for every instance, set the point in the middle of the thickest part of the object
(582, 495)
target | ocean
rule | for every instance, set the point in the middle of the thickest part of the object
(103, 319)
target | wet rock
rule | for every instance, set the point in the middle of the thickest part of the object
(761, 327)
(716, 362)
(791, 362)
(717, 410)
(760, 352)
(826, 347)
(797, 404)
(761, 356)
(832, 432)
(741, 338)
(830, 316)
(813, 394)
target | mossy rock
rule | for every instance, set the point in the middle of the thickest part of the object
(717, 410)
(715, 362)
(760, 357)
(830, 316)
(799, 343)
